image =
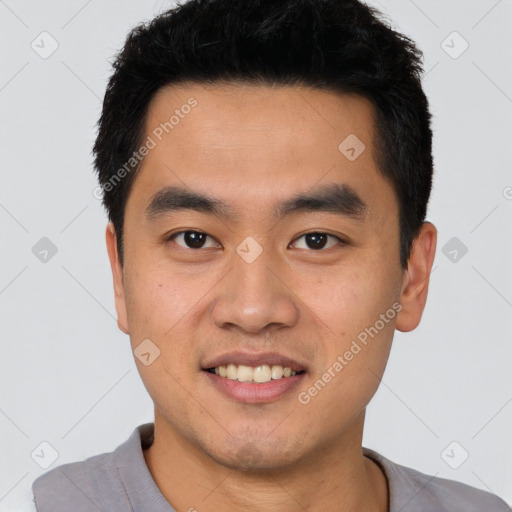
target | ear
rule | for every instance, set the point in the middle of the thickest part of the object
(417, 276)
(118, 278)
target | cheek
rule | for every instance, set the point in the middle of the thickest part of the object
(346, 299)
(156, 302)
(357, 307)
(342, 388)
(154, 286)
(158, 306)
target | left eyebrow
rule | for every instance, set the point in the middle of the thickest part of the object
(337, 198)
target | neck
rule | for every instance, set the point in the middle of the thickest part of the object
(338, 477)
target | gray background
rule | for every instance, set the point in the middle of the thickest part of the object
(67, 375)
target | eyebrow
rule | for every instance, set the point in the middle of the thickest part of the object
(337, 198)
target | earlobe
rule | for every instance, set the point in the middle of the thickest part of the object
(117, 278)
(416, 278)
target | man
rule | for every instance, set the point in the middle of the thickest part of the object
(266, 169)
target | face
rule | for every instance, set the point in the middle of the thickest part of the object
(251, 276)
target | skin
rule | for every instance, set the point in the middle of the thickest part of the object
(252, 146)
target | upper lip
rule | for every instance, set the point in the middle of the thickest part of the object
(254, 359)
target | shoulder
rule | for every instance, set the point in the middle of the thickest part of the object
(92, 484)
(411, 490)
(85, 484)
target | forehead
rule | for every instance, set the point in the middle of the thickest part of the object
(227, 113)
(250, 142)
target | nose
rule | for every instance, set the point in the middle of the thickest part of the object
(255, 297)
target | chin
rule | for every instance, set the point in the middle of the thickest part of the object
(257, 454)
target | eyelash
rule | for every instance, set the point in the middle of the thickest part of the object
(174, 235)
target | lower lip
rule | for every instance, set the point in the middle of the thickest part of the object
(255, 392)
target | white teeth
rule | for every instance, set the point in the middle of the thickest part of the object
(231, 371)
(277, 372)
(262, 373)
(259, 374)
(244, 373)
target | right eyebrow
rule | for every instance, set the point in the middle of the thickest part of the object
(175, 198)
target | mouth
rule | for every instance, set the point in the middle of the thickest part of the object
(254, 378)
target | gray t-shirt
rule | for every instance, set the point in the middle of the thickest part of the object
(120, 481)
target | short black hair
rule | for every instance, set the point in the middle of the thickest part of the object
(343, 46)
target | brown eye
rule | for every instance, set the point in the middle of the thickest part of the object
(191, 239)
(317, 241)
